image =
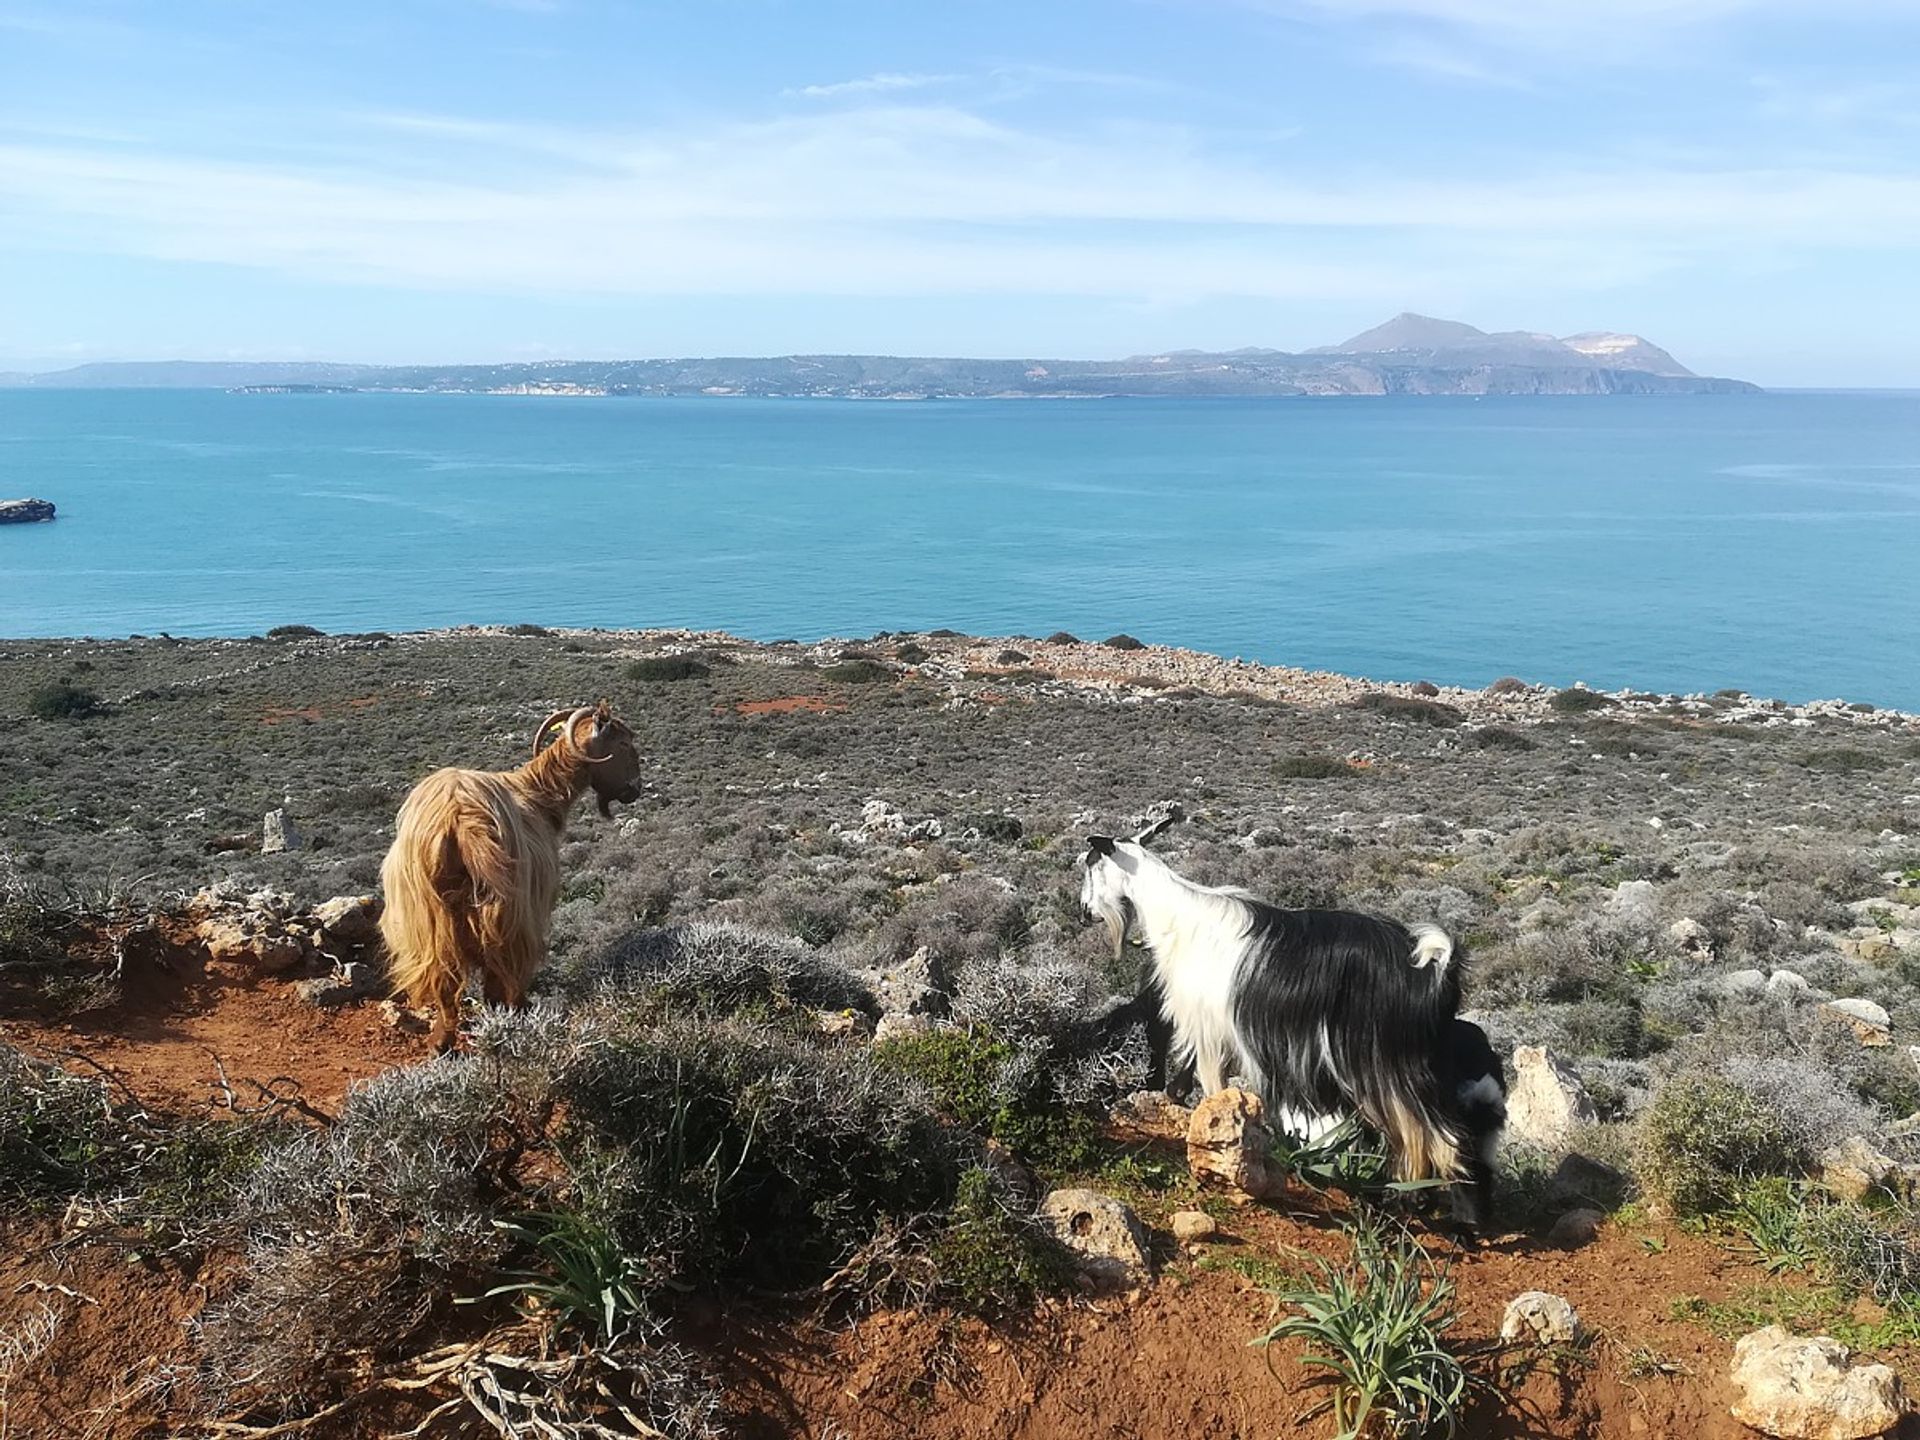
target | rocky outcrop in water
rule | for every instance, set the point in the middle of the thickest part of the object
(25, 512)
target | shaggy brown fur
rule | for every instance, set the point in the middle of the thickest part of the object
(475, 864)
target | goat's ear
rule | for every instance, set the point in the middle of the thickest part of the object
(1153, 831)
(1100, 845)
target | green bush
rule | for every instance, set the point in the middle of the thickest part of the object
(1576, 701)
(660, 669)
(1409, 708)
(1063, 637)
(912, 654)
(999, 1089)
(1313, 767)
(536, 632)
(1123, 642)
(294, 632)
(990, 1259)
(62, 700)
(1508, 685)
(857, 672)
(1704, 1138)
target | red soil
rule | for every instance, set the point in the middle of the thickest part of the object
(1172, 1361)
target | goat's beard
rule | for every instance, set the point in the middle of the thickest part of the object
(1113, 914)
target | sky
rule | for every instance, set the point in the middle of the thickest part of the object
(471, 180)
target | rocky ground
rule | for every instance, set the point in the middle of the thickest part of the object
(1659, 892)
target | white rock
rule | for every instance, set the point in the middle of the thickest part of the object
(1798, 1389)
(1787, 985)
(1107, 1236)
(277, 834)
(1547, 1100)
(1744, 982)
(1871, 1024)
(1633, 898)
(1538, 1318)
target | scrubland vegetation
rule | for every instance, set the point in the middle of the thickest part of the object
(695, 1104)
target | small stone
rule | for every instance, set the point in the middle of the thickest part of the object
(1150, 1115)
(1191, 1226)
(1749, 983)
(840, 1024)
(1228, 1143)
(1576, 1228)
(275, 954)
(354, 981)
(278, 834)
(1801, 1389)
(1538, 1318)
(402, 1018)
(1106, 1236)
(896, 1026)
(350, 919)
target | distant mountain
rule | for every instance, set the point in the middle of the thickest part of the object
(1625, 352)
(1427, 341)
(1409, 355)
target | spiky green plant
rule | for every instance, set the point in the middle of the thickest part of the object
(1374, 1326)
(583, 1280)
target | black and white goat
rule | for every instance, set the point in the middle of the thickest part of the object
(1321, 1011)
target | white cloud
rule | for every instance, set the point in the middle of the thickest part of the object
(922, 200)
(883, 83)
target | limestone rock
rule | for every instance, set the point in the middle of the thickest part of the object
(1800, 1389)
(899, 1027)
(1150, 1115)
(350, 919)
(355, 980)
(1192, 1226)
(1691, 936)
(1576, 1228)
(1546, 1101)
(1854, 1168)
(1633, 899)
(1746, 983)
(839, 1024)
(1538, 1318)
(278, 834)
(1871, 1024)
(1584, 1183)
(1787, 985)
(916, 986)
(1228, 1143)
(1106, 1236)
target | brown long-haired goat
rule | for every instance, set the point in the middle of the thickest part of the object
(475, 864)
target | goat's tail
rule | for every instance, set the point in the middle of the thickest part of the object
(445, 877)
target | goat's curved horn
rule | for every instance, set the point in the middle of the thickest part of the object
(1155, 828)
(565, 719)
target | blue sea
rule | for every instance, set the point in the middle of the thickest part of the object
(1672, 543)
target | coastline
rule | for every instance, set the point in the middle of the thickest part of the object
(1137, 673)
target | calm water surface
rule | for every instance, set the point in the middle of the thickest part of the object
(1673, 543)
